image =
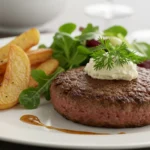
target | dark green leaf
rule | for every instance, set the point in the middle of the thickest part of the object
(115, 30)
(84, 50)
(42, 46)
(67, 28)
(65, 50)
(46, 93)
(90, 28)
(88, 33)
(78, 59)
(39, 76)
(63, 42)
(30, 98)
(87, 36)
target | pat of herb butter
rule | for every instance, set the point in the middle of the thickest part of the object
(125, 72)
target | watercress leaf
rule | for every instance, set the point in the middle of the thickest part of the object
(39, 76)
(84, 50)
(30, 98)
(67, 28)
(115, 30)
(46, 93)
(63, 41)
(88, 33)
(142, 48)
(42, 46)
(88, 36)
(97, 48)
(62, 60)
(78, 59)
(124, 40)
(90, 28)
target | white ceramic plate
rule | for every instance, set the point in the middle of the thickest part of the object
(12, 129)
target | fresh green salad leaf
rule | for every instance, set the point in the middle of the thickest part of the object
(42, 46)
(115, 30)
(88, 36)
(89, 32)
(142, 47)
(67, 28)
(65, 50)
(84, 50)
(90, 28)
(30, 98)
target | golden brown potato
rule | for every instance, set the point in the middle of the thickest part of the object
(35, 66)
(1, 79)
(36, 57)
(39, 56)
(16, 77)
(3, 64)
(48, 67)
(26, 40)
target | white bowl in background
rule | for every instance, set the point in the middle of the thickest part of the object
(18, 15)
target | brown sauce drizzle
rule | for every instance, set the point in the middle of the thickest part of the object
(121, 133)
(31, 119)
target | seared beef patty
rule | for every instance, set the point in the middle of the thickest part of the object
(104, 103)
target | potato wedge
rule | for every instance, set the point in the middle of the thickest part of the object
(26, 40)
(36, 57)
(48, 67)
(16, 77)
(1, 79)
(39, 56)
(3, 64)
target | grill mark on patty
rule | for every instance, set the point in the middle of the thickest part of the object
(77, 84)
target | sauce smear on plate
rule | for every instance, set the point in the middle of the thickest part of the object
(34, 120)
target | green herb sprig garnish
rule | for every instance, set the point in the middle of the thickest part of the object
(107, 56)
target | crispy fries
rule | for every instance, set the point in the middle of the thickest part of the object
(36, 57)
(16, 60)
(48, 67)
(25, 41)
(3, 64)
(16, 77)
(39, 56)
(1, 79)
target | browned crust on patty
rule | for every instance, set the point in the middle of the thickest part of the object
(79, 86)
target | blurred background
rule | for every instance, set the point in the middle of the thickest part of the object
(136, 19)
(74, 11)
(48, 15)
